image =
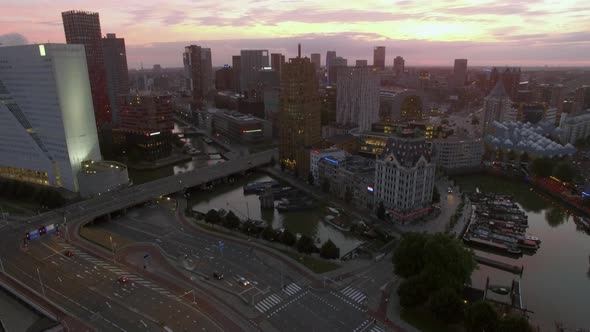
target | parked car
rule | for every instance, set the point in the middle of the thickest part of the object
(217, 275)
(242, 281)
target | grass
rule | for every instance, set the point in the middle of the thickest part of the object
(102, 238)
(423, 321)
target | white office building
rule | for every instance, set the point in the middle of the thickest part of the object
(575, 126)
(357, 100)
(47, 125)
(456, 153)
(404, 177)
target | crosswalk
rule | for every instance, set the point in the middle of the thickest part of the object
(368, 323)
(274, 299)
(354, 294)
(292, 289)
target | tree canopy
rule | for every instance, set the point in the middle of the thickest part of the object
(542, 167)
(288, 238)
(212, 217)
(564, 171)
(329, 250)
(481, 317)
(231, 220)
(305, 245)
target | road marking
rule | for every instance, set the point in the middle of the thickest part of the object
(142, 322)
(108, 304)
(58, 278)
(117, 295)
(79, 276)
(53, 262)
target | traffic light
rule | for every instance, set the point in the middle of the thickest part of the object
(27, 236)
(41, 230)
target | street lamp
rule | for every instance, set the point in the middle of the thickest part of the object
(113, 249)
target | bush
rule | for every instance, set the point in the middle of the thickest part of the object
(481, 316)
(329, 250)
(231, 220)
(446, 305)
(287, 238)
(269, 234)
(212, 217)
(305, 245)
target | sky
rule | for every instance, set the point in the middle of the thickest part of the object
(497, 32)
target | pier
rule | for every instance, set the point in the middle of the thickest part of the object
(500, 265)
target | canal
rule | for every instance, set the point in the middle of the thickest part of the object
(231, 197)
(556, 279)
(209, 155)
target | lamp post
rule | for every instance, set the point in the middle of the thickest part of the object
(113, 249)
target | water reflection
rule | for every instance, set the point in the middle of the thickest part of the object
(555, 216)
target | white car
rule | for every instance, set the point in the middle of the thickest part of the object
(242, 281)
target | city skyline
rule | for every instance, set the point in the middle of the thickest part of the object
(486, 33)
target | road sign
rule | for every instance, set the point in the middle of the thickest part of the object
(34, 234)
(221, 244)
(50, 228)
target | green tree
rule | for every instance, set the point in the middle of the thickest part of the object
(288, 238)
(269, 233)
(381, 211)
(446, 305)
(515, 323)
(212, 217)
(580, 142)
(329, 250)
(412, 292)
(481, 317)
(408, 258)
(542, 167)
(305, 245)
(564, 171)
(231, 220)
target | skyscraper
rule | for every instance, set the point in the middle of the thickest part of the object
(236, 65)
(299, 114)
(335, 64)
(47, 125)
(510, 79)
(398, 65)
(330, 56)
(582, 98)
(379, 57)
(115, 60)
(277, 60)
(357, 100)
(84, 28)
(207, 71)
(459, 73)
(251, 61)
(192, 59)
(361, 63)
(316, 59)
(496, 106)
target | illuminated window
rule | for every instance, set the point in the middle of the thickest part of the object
(42, 50)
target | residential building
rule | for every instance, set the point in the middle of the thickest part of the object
(277, 60)
(496, 106)
(47, 124)
(84, 28)
(195, 83)
(350, 179)
(115, 60)
(460, 73)
(582, 98)
(335, 65)
(299, 115)
(404, 177)
(357, 101)
(575, 126)
(251, 61)
(398, 65)
(315, 157)
(207, 71)
(455, 153)
(224, 79)
(379, 57)
(361, 63)
(240, 128)
(147, 120)
(316, 59)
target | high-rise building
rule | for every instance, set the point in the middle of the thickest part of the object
(115, 60)
(84, 28)
(335, 65)
(361, 63)
(224, 79)
(47, 124)
(496, 106)
(582, 98)
(510, 80)
(277, 60)
(330, 56)
(404, 176)
(251, 61)
(379, 57)
(299, 115)
(316, 59)
(207, 71)
(193, 74)
(398, 65)
(147, 120)
(236, 63)
(459, 73)
(357, 101)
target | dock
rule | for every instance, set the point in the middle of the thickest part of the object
(500, 265)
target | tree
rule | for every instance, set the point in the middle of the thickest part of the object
(305, 245)
(412, 292)
(381, 211)
(564, 171)
(435, 195)
(310, 179)
(408, 258)
(511, 155)
(329, 250)
(326, 186)
(231, 220)
(542, 167)
(288, 238)
(515, 323)
(481, 316)
(268, 233)
(446, 305)
(212, 217)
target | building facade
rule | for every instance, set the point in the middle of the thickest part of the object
(460, 73)
(115, 60)
(361, 63)
(582, 98)
(277, 60)
(399, 65)
(350, 179)
(317, 155)
(241, 128)
(316, 59)
(84, 28)
(510, 77)
(236, 63)
(458, 153)
(575, 126)
(379, 57)
(496, 106)
(47, 124)
(330, 56)
(224, 79)
(404, 177)
(193, 74)
(251, 61)
(357, 100)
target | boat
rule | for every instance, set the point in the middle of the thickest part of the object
(583, 221)
(527, 244)
(499, 290)
(259, 187)
(207, 140)
(337, 223)
(193, 152)
(514, 250)
(285, 205)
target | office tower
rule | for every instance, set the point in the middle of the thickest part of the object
(299, 115)
(330, 55)
(236, 65)
(510, 80)
(84, 28)
(47, 124)
(361, 63)
(404, 176)
(207, 71)
(335, 64)
(277, 60)
(316, 59)
(357, 100)
(194, 60)
(251, 61)
(398, 65)
(459, 73)
(224, 79)
(497, 106)
(115, 60)
(582, 98)
(147, 120)
(379, 57)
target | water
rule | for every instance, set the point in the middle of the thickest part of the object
(231, 197)
(210, 156)
(556, 279)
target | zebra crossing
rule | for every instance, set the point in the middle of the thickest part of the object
(354, 294)
(376, 329)
(274, 299)
(291, 289)
(367, 323)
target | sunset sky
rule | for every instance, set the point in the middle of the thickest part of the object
(499, 32)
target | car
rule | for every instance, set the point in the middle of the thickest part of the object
(69, 253)
(449, 190)
(242, 281)
(217, 275)
(123, 279)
